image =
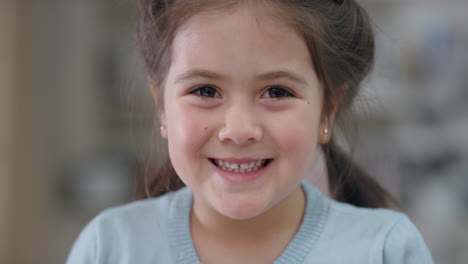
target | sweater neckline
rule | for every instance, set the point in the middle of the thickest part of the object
(299, 247)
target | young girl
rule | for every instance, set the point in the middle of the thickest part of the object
(248, 93)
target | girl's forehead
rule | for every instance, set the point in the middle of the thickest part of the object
(240, 45)
(245, 33)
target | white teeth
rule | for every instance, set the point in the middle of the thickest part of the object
(240, 168)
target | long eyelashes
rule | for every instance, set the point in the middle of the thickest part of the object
(277, 92)
(205, 92)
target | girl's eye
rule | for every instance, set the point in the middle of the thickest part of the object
(205, 91)
(277, 92)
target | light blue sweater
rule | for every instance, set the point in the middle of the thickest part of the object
(158, 231)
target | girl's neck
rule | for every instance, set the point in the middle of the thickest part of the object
(262, 239)
(319, 174)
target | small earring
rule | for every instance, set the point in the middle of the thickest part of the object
(325, 131)
(163, 127)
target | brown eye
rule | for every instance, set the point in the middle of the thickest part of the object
(205, 91)
(277, 92)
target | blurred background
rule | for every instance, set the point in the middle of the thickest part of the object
(76, 119)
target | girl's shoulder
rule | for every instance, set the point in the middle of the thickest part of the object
(361, 235)
(380, 235)
(378, 216)
(143, 216)
(347, 215)
(130, 231)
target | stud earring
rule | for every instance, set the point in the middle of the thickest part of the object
(163, 127)
(325, 131)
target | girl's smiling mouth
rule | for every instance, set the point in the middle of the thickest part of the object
(247, 165)
(240, 170)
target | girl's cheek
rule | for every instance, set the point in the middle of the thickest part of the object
(296, 141)
(190, 127)
(297, 138)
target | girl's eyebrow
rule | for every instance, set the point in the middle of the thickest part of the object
(207, 74)
(285, 74)
(200, 73)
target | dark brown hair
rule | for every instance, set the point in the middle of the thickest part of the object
(341, 42)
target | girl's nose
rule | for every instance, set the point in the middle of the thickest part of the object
(240, 127)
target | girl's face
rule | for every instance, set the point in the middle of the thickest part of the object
(242, 106)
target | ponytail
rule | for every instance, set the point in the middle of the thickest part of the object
(351, 184)
(156, 182)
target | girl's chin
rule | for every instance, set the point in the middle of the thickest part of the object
(239, 210)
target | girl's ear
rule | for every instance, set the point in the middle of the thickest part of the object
(159, 109)
(329, 112)
(326, 128)
(162, 118)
